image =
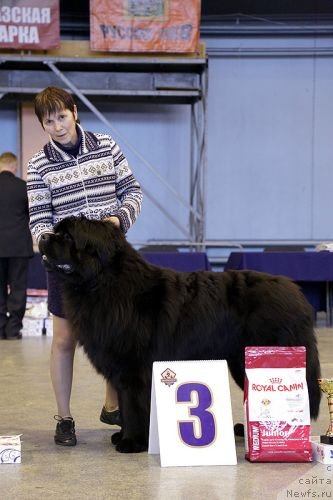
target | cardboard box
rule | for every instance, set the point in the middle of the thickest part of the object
(35, 327)
(322, 453)
(48, 325)
(32, 327)
(10, 449)
(36, 307)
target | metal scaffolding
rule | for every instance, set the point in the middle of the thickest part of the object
(164, 79)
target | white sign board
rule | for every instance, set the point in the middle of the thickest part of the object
(191, 417)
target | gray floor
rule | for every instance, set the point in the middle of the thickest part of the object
(94, 470)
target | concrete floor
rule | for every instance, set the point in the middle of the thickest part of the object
(94, 470)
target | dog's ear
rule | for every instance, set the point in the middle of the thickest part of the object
(76, 229)
(65, 226)
(80, 234)
(96, 238)
(107, 240)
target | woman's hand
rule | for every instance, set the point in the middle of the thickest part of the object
(113, 219)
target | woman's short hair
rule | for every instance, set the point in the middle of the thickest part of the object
(51, 100)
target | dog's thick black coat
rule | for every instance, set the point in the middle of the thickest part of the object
(127, 314)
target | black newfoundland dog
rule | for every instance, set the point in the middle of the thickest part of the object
(127, 314)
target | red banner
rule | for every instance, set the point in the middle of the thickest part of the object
(29, 24)
(145, 25)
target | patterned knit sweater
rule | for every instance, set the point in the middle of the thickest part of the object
(98, 183)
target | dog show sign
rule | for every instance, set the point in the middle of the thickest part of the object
(191, 416)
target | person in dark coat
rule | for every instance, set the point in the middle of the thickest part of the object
(15, 248)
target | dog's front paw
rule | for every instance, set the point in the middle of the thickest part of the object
(132, 445)
(116, 437)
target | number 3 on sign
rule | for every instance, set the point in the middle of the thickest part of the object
(200, 431)
(191, 418)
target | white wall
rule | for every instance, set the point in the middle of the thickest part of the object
(270, 154)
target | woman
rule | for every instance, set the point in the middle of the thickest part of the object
(76, 173)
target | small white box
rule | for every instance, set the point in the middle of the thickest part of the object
(321, 452)
(10, 449)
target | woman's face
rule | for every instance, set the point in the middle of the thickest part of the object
(61, 126)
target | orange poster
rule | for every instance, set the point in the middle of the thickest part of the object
(145, 25)
(29, 24)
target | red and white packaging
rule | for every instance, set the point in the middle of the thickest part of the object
(276, 403)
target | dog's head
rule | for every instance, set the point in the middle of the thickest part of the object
(81, 247)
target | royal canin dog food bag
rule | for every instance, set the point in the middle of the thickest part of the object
(276, 403)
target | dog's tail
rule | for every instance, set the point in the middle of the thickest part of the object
(312, 376)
